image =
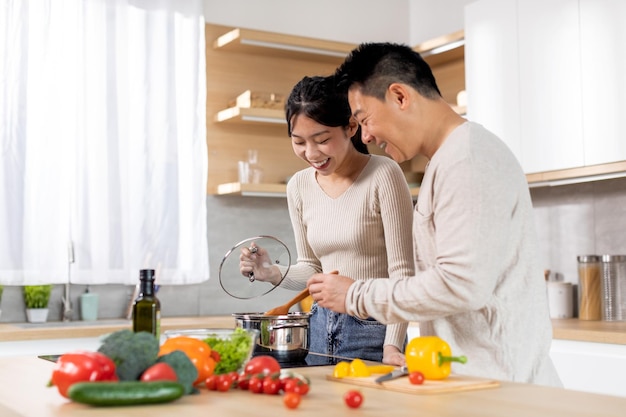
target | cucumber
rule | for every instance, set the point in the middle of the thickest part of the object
(125, 392)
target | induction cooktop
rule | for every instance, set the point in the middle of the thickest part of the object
(311, 359)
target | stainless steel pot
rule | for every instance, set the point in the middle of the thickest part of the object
(285, 337)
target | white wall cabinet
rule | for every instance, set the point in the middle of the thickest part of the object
(492, 69)
(547, 77)
(550, 85)
(603, 58)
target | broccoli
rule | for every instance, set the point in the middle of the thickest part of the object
(186, 371)
(132, 352)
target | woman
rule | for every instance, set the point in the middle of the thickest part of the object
(351, 212)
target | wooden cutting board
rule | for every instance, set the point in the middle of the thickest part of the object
(454, 383)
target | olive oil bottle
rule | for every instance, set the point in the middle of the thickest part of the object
(147, 308)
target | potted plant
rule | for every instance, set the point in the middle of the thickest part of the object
(36, 299)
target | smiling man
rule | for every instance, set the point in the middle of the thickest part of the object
(477, 283)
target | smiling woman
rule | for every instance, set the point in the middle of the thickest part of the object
(103, 142)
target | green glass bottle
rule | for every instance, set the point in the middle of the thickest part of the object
(147, 308)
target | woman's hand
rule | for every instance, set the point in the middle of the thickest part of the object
(330, 290)
(393, 356)
(255, 260)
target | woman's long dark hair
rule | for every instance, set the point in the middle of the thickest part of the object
(321, 100)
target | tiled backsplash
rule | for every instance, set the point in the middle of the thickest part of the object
(571, 220)
(579, 219)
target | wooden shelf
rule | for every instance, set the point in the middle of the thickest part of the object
(443, 49)
(577, 175)
(251, 115)
(446, 57)
(252, 190)
(297, 47)
(265, 190)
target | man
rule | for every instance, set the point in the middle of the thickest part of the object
(477, 284)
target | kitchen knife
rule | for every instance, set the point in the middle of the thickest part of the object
(403, 371)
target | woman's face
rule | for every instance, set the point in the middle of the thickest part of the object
(322, 147)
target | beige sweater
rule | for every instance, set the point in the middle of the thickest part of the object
(478, 285)
(364, 233)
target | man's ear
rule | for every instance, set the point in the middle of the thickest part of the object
(352, 127)
(398, 94)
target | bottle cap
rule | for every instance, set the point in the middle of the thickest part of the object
(146, 274)
(583, 259)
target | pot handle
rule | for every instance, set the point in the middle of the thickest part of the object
(286, 326)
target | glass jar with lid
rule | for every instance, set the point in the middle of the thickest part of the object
(589, 287)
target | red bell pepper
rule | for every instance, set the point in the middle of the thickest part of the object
(81, 366)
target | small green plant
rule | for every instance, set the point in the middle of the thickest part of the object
(37, 296)
(1, 289)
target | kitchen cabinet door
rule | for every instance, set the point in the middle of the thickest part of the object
(550, 85)
(603, 57)
(592, 367)
(492, 69)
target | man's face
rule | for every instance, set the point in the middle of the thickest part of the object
(378, 120)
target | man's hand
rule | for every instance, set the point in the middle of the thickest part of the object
(329, 291)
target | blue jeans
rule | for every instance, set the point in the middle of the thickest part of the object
(343, 335)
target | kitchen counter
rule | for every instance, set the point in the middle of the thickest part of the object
(24, 394)
(566, 329)
(612, 332)
(75, 329)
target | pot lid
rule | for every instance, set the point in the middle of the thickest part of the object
(245, 286)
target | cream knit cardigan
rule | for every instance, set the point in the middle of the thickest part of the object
(478, 285)
(364, 233)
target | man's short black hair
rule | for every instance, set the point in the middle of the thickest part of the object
(372, 67)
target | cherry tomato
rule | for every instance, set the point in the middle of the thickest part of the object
(302, 388)
(289, 384)
(223, 383)
(243, 381)
(416, 378)
(353, 398)
(255, 384)
(291, 400)
(271, 385)
(233, 377)
(211, 383)
(295, 385)
(159, 372)
(263, 364)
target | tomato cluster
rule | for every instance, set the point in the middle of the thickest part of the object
(263, 375)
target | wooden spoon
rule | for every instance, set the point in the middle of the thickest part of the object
(284, 309)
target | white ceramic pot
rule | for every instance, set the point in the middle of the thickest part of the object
(37, 315)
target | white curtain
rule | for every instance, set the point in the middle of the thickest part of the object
(103, 158)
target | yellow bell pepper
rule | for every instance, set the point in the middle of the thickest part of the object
(431, 356)
(341, 370)
(358, 368)
(380, 369)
